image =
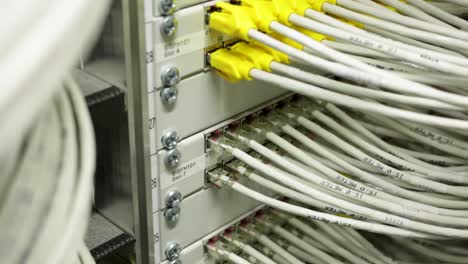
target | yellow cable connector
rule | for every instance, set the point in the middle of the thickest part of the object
(282, 10)
(277, 55)
(300, 6)
(317, 4)
(255, 54)
(232, 20)
(261, 12)
(231, 65)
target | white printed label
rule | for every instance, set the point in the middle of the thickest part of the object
(179, 46)
(183, 171)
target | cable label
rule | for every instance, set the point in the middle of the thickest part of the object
(183, 171)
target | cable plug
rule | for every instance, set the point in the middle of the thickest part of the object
(231, 65)
(220, 178)
(261, 12)
(318, 4)
(277, 55)
(232, 20)
(255, 54)
(283, 9)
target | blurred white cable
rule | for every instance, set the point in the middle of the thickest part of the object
(301, 244)
(345, 254)
(229, 255)
(352, 102)
(413, 12)
(381, 46)
(36, 56)
(404, 20)
(394, 43)
(249, 250)
(456, 40)
(272, 245)
(356, 90)
(300, 211)
(439, 13)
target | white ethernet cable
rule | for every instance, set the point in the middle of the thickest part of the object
(249, 250)
(295, 195)
(271, 245)
(301, 244)
(382, 79)
(236, 259)
(373, 4)
(302, 255)
(386, 169)
(373, 193)
(438, 135)
(395, 43)
(434, 158)
(300, 211)
(343, 236)
(456, 40)
(427, 141)
(432, 252)
(410, 43)
(387, 79)
(404, 20)
(440, 13)
(290, 181)
(358, 91)
(272, 254)
(458, 2)
(370, 200)
(382, 46)
(352, 102)
(414, 12)
(353, 49)
(337, 249)
(450, 8)
(394, 191)
(356, 126)
(431, 172)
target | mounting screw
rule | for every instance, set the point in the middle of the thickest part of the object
(172, 214)
(172, 158)
(173, 251)
(170, 76)
(166, 6)
(170, 139)
(168, 26)
(173, 199)
(169, 95)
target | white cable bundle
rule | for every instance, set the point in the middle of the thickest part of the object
(406, 196)
(391, 157)
(273, 237)
(47, 151)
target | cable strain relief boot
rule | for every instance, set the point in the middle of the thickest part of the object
(256, 55)
(231, 65)
(261, 12)
(318, 4)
